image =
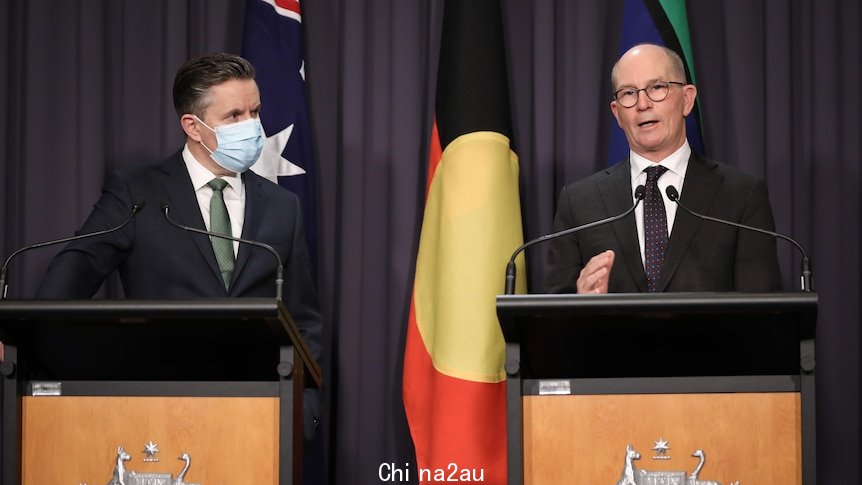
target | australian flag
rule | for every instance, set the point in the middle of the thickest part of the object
(272, 42)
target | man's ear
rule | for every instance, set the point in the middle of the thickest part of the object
(689, 93)
(614, 110)
(191, 126)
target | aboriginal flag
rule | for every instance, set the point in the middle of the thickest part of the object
(454, 383)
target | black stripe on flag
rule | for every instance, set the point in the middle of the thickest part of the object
(472, 86)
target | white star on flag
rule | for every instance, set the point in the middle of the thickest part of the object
(271, 163)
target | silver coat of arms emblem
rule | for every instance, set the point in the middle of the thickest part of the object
(632, 476)
(122, 476)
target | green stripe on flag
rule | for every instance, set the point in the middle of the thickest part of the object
(676, 14)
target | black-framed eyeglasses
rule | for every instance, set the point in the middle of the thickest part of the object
(657, 91)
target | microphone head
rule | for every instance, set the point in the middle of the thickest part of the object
(640, 192)
(672, 193)
(138, 205)
(164, 205)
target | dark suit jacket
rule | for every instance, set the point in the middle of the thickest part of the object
(159, 261)
(701, 255)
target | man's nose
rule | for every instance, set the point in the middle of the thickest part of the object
(643, 100)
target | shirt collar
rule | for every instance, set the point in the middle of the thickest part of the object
(201, 176)
(676, 162)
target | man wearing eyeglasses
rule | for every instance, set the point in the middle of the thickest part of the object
(658, 248)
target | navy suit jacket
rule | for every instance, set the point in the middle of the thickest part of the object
(159, 261)
(701, 255)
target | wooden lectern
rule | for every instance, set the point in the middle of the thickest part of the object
(212, 389)
(661, 388)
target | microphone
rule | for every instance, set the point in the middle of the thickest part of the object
(136, 207)
(673, 195)
(640, 192)
(279, 270)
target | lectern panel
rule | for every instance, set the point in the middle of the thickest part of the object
(75, 439)
(745, 437)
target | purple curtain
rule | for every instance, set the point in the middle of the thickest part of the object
(85, 87)
(780, 100)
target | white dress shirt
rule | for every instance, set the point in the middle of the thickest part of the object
(676, 163)
(234, 194)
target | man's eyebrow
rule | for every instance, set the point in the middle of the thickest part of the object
(650, 82)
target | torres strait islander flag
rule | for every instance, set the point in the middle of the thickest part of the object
(454, 383)
(662, 22)
(272, 42)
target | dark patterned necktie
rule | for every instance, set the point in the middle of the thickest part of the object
(655, 227)
(220, 224)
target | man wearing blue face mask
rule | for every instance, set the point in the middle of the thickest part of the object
(206, 185)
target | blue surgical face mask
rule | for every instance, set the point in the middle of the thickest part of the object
(239, 144)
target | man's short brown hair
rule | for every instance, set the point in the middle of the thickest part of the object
(198, 75)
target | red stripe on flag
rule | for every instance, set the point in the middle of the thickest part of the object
(467, 406)
(435, 154)
(292, 5)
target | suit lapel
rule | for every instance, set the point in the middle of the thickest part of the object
(616, 194)
(184, 208)
(699, 189)
(255, 202)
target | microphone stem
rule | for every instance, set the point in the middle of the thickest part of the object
(510, 277)
(511, 270)
(806, 274)
(4, 270)
(279, 280)
(279, 270)
(806, 263)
